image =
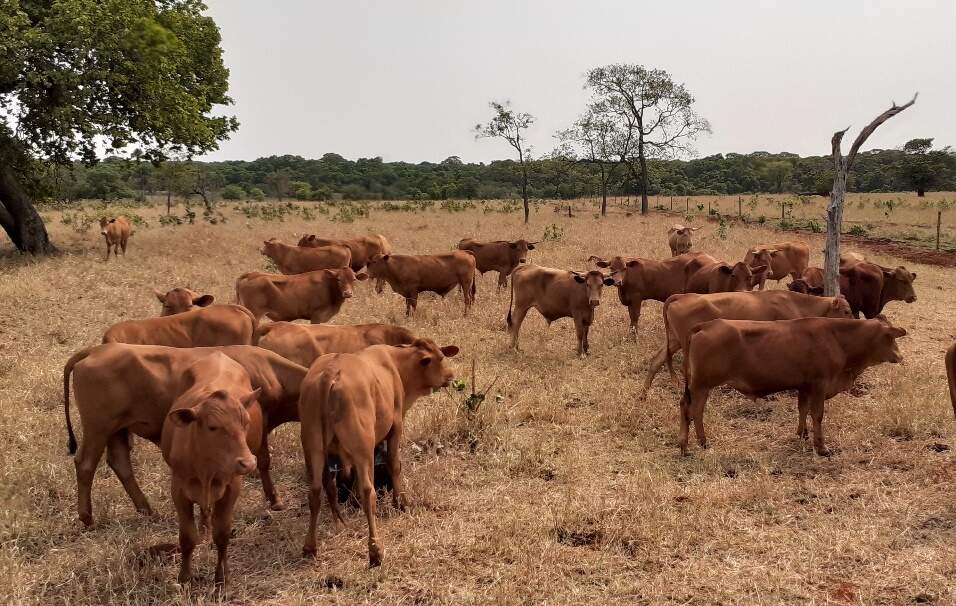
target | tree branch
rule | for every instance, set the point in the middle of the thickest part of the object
(872, 126)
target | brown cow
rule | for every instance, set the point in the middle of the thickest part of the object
(208, 438)
(299, 260)
(556, 293)
(638, 279)
(409, 275)
(128, 389)
(951, 374)
(116, 232)
(179, 300)
(782, 260)
(679, 239)
(350, 403)
(722, 277)
(817, 357)
(203, 327)
(868, 287)
(303, 343)
(315, 296)
(683, 312)
(361, 247)
(500, 256)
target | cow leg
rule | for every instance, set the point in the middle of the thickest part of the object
(123, 244)
(264, 464)
(816, 409)
(581, 329)
(332, 495)
(315, 469)
(222, 527)
(394, 463)
(117, 457)
(684, 417)
(803, 409)
(188, 535)
(502, 282)
(698, 398)
(634, 312)
(516, 319)
(659, 359)
(411, 305)
(86, 460)
(364, 470)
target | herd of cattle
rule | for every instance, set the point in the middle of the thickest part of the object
(208, 383)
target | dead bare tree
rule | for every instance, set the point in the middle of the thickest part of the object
(842, 166)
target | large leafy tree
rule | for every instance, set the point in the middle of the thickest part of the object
(658, 111)
(81, 76)
(922, 168)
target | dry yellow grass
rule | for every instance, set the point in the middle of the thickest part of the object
(567, 490)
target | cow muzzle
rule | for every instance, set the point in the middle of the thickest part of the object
(911, 299)
(594, 302)
(245, 465)
(522, 260)
(347, 294)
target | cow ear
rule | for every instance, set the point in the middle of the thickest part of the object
(913, 276)
(759, 269)
(251, 397)
(602, 263)
(530, 246)
(160, 296)
(385, 257)
(817, 291)
(608, 281)
(361, 276)
(579, 279)
(725, 269)
(450, 351)
(633, 263)
(897, 332)
(203, 301)
(183, 416)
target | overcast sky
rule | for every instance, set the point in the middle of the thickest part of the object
(407, 80)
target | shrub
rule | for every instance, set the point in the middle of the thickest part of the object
(857, 230)
(553, 232)
(232, 192)
(257, 194)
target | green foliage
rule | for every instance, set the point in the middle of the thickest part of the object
(722, 228)
(256, 194)
(553, 232)
(456, 205)
(232, 192)
(814, 226)
(348, 213)
(170, 220)
(857, 230)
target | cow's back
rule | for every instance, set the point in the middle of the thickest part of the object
(204, 327)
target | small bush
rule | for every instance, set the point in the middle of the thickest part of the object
(814, 226)
(257, 194)
(858, 230)
(168, 220)
(348, 213)
(553, 232)
(232, 192)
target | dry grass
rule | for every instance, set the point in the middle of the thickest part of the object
(567, 490)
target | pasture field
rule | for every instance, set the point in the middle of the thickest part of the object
(563, 488)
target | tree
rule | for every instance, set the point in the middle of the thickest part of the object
(601, 139)
(279, 180)
(508, 125)
(921, 168)
(657, 110)
(842, 166)
(76, 74)
(777, 175)
(232, 192)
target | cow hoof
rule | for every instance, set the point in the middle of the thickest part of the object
(278, 506)
(824, 452)
(308, 552)
(375, 555)
(147, 511)
(87, 520)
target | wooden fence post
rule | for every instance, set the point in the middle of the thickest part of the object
(939, 222)
(740, 213)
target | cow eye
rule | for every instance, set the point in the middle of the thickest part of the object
(213, 428)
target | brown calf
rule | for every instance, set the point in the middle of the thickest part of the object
(299, 260)
(361, 247)
(203, 327)
(683, 312)
(179, 300)
(116, 232)
(208, 438)
(679, 239)
(303, 343)
(500, 256)
(817, 357)
(556, 293)
(638, 279)
(315, 296)
(128, 389)
(780, 260)
(409, 275)
(350, 403)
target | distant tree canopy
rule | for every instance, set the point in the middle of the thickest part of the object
(556, 177)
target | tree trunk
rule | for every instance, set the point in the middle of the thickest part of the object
(19, 218)
(169, 200)
(524, 190)
(831, 262)
(920, 192)
(604, 180)
(643, 161)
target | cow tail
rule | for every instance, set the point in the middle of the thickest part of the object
(67, 370)
(667, 342)
(951, 375)
(512, 301)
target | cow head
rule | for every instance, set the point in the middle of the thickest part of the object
(518, 251)
(179, 300)
(307, 240)
(594, 281)
(741, 275)
(617, 265)
(346, 278)
(803, 287)
(377, 268)
(883, 347)
(430, 370)
(898, 285)
(838, 308)
(270, 248)
(217, 429)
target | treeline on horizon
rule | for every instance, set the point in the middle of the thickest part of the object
(334, 177)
